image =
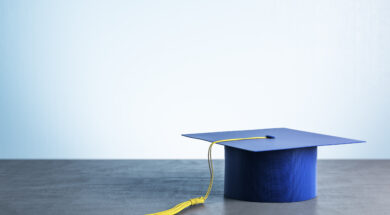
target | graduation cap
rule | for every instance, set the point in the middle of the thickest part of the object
(266, 165)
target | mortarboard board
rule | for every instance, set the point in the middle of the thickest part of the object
(266, 165)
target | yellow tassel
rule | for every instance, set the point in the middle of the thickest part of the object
(202, 199)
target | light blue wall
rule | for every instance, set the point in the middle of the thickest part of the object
(123, 79)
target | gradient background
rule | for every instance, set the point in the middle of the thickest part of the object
(123, 79)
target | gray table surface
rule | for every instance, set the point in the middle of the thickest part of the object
(146, 186)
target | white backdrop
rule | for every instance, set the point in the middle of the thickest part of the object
(124, 79)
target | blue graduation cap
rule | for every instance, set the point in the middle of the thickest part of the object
(280, 166)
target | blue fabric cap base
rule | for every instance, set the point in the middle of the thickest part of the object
(281, 168)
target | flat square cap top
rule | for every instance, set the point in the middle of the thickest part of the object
(283, 138)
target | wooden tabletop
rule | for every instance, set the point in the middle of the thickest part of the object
(146, 186)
